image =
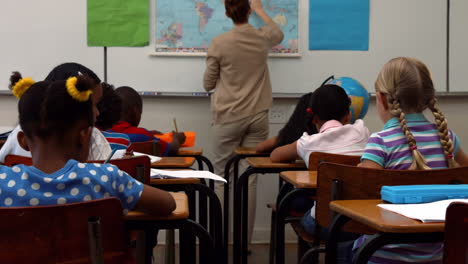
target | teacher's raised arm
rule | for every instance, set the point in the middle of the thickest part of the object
(237, 71)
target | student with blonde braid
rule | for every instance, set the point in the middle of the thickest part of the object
(404, 89)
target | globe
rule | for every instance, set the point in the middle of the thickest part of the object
(358, 95)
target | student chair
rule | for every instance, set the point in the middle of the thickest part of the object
(290, 193)
(12, 160)
(86, 232)
(137, 167)
(344, 182)
(148, 147)
(456, 228)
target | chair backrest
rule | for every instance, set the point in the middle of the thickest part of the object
(137, 167)
(344, 182)
(456, 240)
(59, 233)
(148, 147)
(12, 160)
(316, 158)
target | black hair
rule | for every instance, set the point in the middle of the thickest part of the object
(14, 78)
(329, 102)
(110, 108)
(238, 10)
(47, 110)
(299, 122)
(130, 100)
(71, 69)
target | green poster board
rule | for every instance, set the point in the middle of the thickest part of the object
(118, 23)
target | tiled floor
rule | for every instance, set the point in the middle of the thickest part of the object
(260, 253)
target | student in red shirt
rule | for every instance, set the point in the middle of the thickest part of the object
(132, 108)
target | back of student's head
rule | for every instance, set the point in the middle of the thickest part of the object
(51, 110)
(71, 69)
(329, 102)
(299, 122)
(237, 10)
(110, 108)
(408, 87)
(132, 105)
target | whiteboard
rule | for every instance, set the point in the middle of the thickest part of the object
(415, 28)
(458, 46)
(38, 35)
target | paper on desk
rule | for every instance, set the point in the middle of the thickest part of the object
(119, 154)
(152, 158)
(426, 212)
(155, 173)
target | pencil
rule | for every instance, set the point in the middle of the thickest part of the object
(175, 126)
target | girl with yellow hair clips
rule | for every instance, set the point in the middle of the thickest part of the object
(408, 141)
(57, 119)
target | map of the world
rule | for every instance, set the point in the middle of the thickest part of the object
(188, 26)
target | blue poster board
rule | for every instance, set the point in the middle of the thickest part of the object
(339, 24)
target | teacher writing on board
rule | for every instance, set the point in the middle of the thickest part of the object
(237, 71)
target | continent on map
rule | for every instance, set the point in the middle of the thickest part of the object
(172, 36)
(280, 19)
(205, 13)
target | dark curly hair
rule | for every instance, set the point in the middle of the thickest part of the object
(110, 108)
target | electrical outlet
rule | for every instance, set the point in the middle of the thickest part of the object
(279, 114)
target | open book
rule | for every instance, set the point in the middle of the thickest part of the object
(426, 212)
(155, 173)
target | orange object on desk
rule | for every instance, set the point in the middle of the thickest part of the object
(189, 138)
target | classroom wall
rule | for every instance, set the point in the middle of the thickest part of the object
(194, 114)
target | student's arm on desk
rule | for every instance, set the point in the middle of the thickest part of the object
(285, 153)
(461, 158)
(267, 145)
(155, 201)
(369, 164)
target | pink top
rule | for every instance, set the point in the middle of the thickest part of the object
(335, 137)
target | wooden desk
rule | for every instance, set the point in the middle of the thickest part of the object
(174, 162)
(190, 152)
(248, 152)
(197, 153)
(300, 179)
(174, 181)
(181, 211)
(392, 228)
(265, 162)
(367, 212)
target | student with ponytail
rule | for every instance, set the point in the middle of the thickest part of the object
(100, 148)
(57, 120)
(404, 89)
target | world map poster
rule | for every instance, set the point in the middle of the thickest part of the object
(188, 26)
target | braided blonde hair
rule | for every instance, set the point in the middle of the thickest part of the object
(409, 88)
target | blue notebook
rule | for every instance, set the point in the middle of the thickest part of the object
(410, 194)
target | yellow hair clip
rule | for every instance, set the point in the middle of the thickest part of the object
(73, 91)
(22, 86)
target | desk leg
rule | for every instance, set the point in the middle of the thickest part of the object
(332, 243)
(227, 176)
(207, 162)
(281, 214)
(240, 216)
(146, 241)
